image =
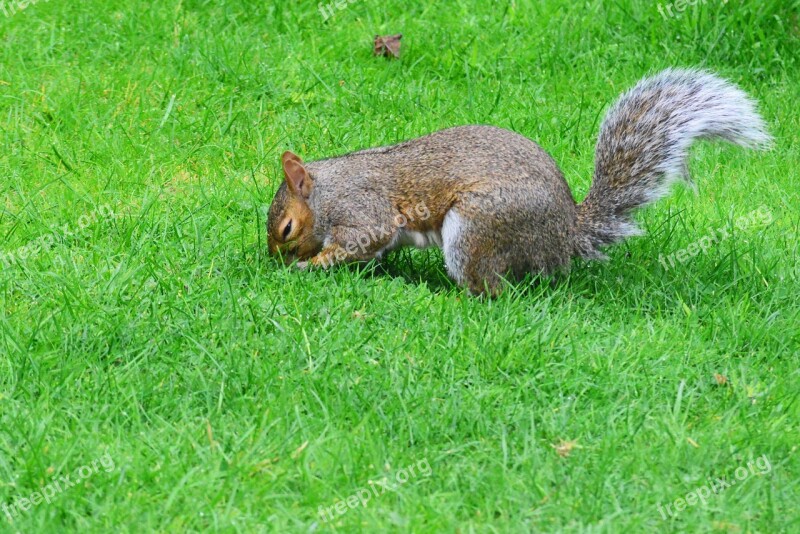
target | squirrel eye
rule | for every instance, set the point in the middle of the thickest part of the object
(287, 230)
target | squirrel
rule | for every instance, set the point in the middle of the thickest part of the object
(494, 201)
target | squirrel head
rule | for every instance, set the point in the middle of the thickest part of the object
(290, 222)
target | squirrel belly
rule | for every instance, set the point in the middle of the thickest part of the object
(494, 201)
(420, 240)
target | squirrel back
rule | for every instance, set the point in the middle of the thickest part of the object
(496, 202)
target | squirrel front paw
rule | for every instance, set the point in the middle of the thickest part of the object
(302, 265)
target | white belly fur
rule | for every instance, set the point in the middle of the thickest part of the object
(407, 238)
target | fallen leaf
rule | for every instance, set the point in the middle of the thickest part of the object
(564, 448)
(729, 527)
(721, 379)
(387, 45)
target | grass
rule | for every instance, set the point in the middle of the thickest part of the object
(143, 323)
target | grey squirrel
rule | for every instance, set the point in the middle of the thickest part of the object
(496, 202)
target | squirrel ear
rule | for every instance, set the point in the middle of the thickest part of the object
(289, 155)
(297, 179)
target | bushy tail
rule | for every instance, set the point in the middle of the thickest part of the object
(644, 142)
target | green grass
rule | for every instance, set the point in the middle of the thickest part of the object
(236, 395)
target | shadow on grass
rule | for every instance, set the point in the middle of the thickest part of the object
(631, 279)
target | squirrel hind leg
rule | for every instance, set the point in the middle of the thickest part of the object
(481, 255)
(468, 259)
(455, 246)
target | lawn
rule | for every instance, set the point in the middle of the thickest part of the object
(160, 372)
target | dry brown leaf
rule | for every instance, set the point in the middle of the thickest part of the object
(721, 379)
(387, 45)
(564, 448)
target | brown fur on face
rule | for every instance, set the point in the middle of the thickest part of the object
(290, 221)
